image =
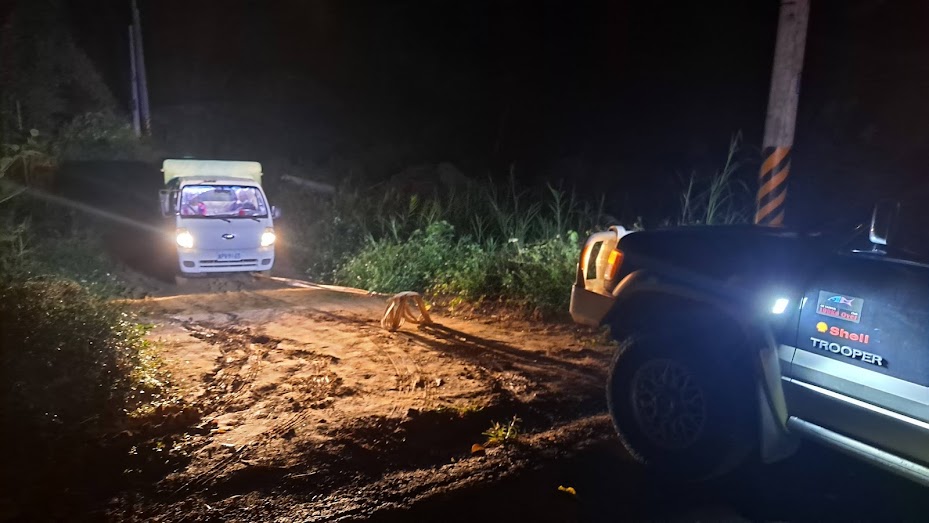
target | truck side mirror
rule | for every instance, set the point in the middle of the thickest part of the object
(275, 212)
(168, 199)
(883, 220)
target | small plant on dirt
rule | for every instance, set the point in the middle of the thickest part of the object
(503, 433)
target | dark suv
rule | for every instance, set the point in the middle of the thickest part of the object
(738, 339)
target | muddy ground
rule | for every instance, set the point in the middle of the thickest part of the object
(307, 409)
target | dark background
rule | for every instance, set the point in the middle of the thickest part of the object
(614, 97)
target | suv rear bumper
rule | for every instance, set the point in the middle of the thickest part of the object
(589, 307)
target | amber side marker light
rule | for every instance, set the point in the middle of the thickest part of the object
(613, 263)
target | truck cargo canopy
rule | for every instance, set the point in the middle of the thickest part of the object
(208, 168)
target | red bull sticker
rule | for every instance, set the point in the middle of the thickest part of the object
(839, 306)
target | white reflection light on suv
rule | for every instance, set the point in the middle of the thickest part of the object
(780, 305)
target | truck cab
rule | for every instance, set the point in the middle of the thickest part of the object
(743, 339)
(221, 219)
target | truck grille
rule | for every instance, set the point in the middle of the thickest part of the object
(248, 262)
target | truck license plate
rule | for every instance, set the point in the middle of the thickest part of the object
(229, 256)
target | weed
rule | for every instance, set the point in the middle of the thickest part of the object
(503, 433)
(476, 242)
(461, 411)
(468, 409)
(34, 243)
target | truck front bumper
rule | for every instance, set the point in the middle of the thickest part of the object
(200, 261)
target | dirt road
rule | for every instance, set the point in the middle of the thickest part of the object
(308, 410)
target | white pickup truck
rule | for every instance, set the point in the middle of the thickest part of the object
(222, 221)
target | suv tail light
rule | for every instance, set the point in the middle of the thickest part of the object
(600, 260)
(613, 263)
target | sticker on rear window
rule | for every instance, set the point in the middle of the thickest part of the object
(839, 306)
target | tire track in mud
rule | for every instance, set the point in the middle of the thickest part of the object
(408, 368)
(402, 352)
(238, 366)
(234, 373)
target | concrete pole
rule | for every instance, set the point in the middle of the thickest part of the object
(134, 86)
(780, 121)
(140, 64)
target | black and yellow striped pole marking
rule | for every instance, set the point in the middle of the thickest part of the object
(780, 120)
(772, 186)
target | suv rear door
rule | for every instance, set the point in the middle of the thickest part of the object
(862, 364)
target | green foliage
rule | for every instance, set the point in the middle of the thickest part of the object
(473, 241)
(540, 275)
(71, 363)
(503, 433)
(20, 163)
(99, 136)
(388, 265)
(320, 233)
(14, 251)
(37, 239)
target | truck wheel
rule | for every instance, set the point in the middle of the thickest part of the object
(685, 412)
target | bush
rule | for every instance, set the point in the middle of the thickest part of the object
(541, 275)
(72, 367)
(39, 239)
(537, 276)
(100, 136)
(319, 233)
(68, 359)
(387, 265)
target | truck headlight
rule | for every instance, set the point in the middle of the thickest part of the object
(268, 237)
(185, 239)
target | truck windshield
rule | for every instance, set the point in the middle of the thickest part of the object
(222, 201)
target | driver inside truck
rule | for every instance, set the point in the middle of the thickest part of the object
(243, 202)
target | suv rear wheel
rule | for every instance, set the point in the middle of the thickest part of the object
(684, 411)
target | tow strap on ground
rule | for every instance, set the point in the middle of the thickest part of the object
(400, 307)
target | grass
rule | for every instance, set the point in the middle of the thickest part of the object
(503, 433)
(722, 199)
(479, 241)
(39, 240)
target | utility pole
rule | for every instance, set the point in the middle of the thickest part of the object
(134, 86)
(140, 65)
(780, 121)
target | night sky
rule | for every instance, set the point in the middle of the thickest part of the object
(614, 96)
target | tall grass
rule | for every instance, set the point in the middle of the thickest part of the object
(476, 241)
(722, 199)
